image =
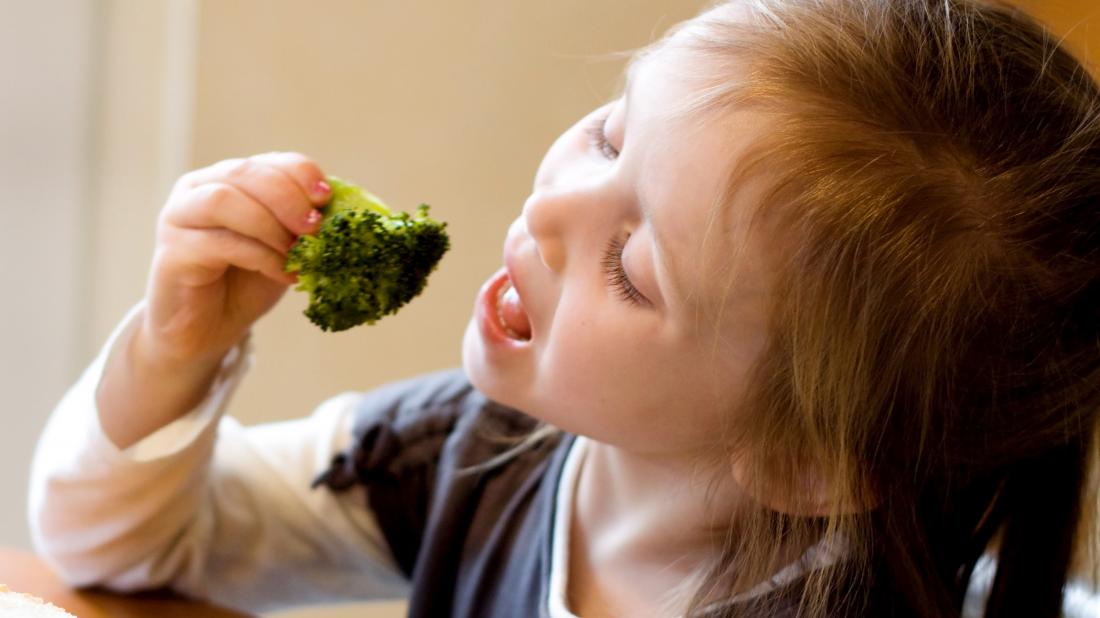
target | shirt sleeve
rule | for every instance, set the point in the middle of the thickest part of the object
(206, 506)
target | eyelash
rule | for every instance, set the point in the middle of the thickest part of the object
(616, 275)
(598, 139)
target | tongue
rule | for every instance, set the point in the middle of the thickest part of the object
(513, 314)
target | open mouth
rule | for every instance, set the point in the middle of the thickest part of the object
(512, 316)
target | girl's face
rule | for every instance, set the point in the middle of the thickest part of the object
(639, 336)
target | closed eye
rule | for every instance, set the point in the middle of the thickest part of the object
(597, 135)
(616, 276)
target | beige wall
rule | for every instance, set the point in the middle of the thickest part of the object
(45, 137)
(142, 143)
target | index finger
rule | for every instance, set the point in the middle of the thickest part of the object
(303, 171)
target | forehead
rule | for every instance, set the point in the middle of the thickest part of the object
(711, 254)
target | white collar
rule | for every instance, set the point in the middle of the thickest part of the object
(819, 555)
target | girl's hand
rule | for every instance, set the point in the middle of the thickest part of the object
(222, 240)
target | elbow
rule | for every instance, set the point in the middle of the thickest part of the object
(98, 545)
(83, 547)
(72, 551)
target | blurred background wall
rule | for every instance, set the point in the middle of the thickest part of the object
(49, 71)
(106, 102)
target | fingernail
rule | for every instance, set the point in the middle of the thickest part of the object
(313, 217)
(321, 188)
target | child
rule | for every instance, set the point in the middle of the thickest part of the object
(807, 319)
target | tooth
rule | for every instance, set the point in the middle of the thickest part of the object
(500, 311)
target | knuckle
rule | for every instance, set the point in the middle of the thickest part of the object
(227, 163)
(167, 214)
(213, 195)
(293, 158)
(175, 210)
(296, 165)
(294, 203)
(185, 181)
(167, 237)
(301, 166)
(312, 169)
(239, 168)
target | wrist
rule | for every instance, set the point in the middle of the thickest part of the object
(143, 388)
(149, 354)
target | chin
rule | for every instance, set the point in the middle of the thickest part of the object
(477, 369)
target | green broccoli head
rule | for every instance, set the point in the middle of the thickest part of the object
(365, 261)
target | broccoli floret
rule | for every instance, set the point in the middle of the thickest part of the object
(365, 261)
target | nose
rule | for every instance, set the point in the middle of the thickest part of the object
(546, 216)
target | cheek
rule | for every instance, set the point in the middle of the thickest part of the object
(600, 357)
(633, 395)
(579, 352)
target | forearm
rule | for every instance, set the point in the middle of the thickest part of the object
(139, 393)
(97, 510)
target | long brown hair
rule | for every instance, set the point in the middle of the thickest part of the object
(934, 351)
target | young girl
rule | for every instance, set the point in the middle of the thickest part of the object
(808, 319)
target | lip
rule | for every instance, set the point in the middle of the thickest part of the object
(488, 320)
